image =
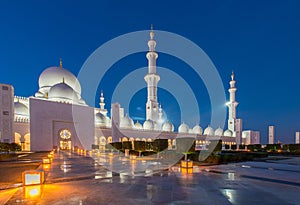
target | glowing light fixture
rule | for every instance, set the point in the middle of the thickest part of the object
(32, 177)
(46, 160)
(186, 166)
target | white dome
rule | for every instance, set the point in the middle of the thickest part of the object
(62, 92)
(168, 127)
(183, 128)
(209, 131)
(21, 109)
(228, 133)
(138, 125)
(100, 118)
(148, 125)
(54, 75)
(197, 130)
(219, 132)
(126, 122)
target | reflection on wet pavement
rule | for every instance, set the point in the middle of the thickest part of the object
(92, 180)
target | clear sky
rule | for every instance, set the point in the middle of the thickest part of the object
(259, 40)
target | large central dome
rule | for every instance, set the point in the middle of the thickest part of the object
(54, 75)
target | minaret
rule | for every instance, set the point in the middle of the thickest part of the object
(232, 104)
(102, 104)
(152, 79)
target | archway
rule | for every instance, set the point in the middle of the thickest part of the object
(65, 139)
(17, 138)
(27, 142)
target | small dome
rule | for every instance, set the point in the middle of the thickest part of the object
(53, 75)
(138, 125)
(39, 95)
(183, 128)
(209, 131)
(126, 122)
(21, 109)
(228, 133)
(219, 132)
(100, 118)
(168, 127)
(197, 130)
(148, 125)
(62, 91)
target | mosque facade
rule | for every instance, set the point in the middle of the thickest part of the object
(49, 119)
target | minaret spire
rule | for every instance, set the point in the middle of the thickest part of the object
(152, 80)
(102, 103)
(232, 104)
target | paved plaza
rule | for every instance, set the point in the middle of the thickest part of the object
(79, 179)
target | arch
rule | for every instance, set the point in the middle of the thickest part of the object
(144, 139)
(65, 136)
(109, 139)
(27, 142)
(174, 142)
(137, 139)
(102, 140)
(17, 138)
(124, 139)
(149, 140)
(131, 139)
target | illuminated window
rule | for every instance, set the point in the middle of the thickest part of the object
(65, 134)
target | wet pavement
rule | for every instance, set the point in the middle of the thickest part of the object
(74, 178)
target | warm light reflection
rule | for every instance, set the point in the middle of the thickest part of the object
(46, 167)
(32, 191)
(186, 170)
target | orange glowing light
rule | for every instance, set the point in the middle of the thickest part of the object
(46, 161)
(186, 164)
(46, 167)
(186, 170)
(32, 177)
(32, 191)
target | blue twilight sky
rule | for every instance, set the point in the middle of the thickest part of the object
(259, 40)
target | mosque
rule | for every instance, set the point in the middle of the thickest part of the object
(46, 120)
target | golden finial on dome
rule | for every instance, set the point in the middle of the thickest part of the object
(60, 63)
(232, 75)
(151, 32)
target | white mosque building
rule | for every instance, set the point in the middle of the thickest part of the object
(46, 120)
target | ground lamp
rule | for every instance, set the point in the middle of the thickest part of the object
(32, 177)
(186, 166)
